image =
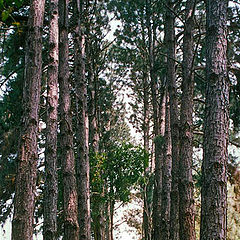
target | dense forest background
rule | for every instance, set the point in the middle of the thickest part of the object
(110, 104)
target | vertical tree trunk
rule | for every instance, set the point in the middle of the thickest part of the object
(112, 204)
(146, 113)
(166, 181)
(215, 154)
(82, 159)
(186, 188)
(146, 128)
(96, 200)
(71, 227)
(174, 119)
(156, 127)
(22, 225)
(50, 185)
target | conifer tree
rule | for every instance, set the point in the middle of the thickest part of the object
(186, 187)
(70, 213)
(82, 127)
(51, 184)
(174, 116)
(216, 121)
(24, 201)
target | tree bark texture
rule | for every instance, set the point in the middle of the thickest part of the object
(174, 118)
(82, 159)
(24, 201)
(156, 128)
(97, 203)
(51, 185)
(186, 187)
(146, 128)
(157, 197)
(166, 180)
(215, 154)
(71, 227)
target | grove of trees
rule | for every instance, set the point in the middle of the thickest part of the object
(79, 77)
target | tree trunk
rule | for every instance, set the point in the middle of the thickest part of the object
(186, 188)
(97, 202)
(82, 160)
(71, 227)
(50, 185)
(112, 204)
(146, 127)
(215, 153)
(166, 181)
(156, 128)
(174, 119)
(157, 193)
(22, 225)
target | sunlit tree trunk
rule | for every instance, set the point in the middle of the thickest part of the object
(24, 201)
(215, 153)
(186, 188)
(82, 127)
(71, 227)
(50, 184)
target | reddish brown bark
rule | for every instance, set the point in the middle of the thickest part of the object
(186, 188)
(82, 159)
(24, 201)
(50, 185)
(71, 227)
(215, 153)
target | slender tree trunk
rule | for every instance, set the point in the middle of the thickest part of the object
(186, 188)
(24, 201)
(96, 200)
(108, 222)
(156, 128)
(166, 181)
(71, 227)
(146, 113)
(50, 185)
(146, 128)
(215, 153)
(112, 204)
(82, 159)
(174, 119)
(157, 193)
(97, 203)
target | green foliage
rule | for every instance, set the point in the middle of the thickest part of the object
(8, 7)
(10, 119)
(119, 170)
(159, 140)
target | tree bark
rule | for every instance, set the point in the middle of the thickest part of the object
(146, 127)
(151, 29)
(24, 201)
(71, 227)
(166, 181)
(215, 153)
(96, 200)
(186, 187)
(82, 159)
(51, 185)
(174, 118)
